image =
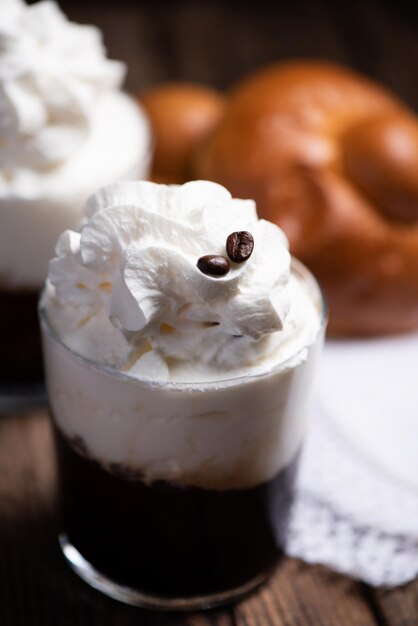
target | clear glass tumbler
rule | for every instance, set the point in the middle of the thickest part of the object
(177, 495)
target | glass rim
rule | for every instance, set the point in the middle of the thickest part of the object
(297, 267)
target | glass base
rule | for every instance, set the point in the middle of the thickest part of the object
(98, 581)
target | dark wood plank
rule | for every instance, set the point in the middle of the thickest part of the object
(398, 607)
(209, 41)
(217, 42)
(380, 40)
(302, 595)
(36, 586)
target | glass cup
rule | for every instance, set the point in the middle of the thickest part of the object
(177, 495)
(21, 370)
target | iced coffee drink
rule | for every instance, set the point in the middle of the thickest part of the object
(66, 129)
(180, 343)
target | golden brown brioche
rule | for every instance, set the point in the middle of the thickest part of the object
(180, 114)
(333, 159)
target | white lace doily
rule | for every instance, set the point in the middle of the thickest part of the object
(356, 508)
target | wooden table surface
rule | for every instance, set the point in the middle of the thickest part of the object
(213, 42)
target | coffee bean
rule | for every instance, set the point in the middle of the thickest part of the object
(213, 265)
(239, 246)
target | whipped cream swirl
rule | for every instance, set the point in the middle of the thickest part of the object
(126, 290)
(51, 73)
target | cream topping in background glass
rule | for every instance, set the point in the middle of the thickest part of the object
(51, 74)
(66, 128)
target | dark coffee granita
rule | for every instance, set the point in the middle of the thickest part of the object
(20, 339)
(167, 539)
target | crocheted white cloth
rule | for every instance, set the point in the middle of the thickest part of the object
(356, 508)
